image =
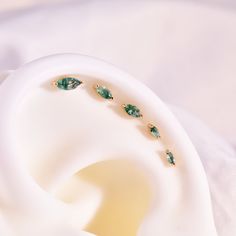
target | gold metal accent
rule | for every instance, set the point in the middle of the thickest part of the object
(150, 125)
(54, 83)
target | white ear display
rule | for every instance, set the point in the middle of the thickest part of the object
(88, 150)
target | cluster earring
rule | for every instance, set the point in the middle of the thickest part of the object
(70, 83)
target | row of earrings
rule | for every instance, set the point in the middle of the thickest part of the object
(70, 83)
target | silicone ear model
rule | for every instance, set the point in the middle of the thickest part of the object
(84, 146)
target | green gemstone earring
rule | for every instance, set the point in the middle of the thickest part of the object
(170, 157)
(103, 92)
(154, 131)
(67, 83)
(132, 110)
(70, 83)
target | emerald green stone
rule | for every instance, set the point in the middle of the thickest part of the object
(154, 131)
(132, 110)
(68, 83)
(170, 157)
(104, 92)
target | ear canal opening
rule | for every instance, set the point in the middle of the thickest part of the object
(123, 190)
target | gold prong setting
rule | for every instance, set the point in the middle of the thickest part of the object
(54, 83)
(104, 92)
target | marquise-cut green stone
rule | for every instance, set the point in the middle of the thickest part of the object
(170, 157)
(68, 83)
(132, 110)
(154, 131)
(104, 92)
